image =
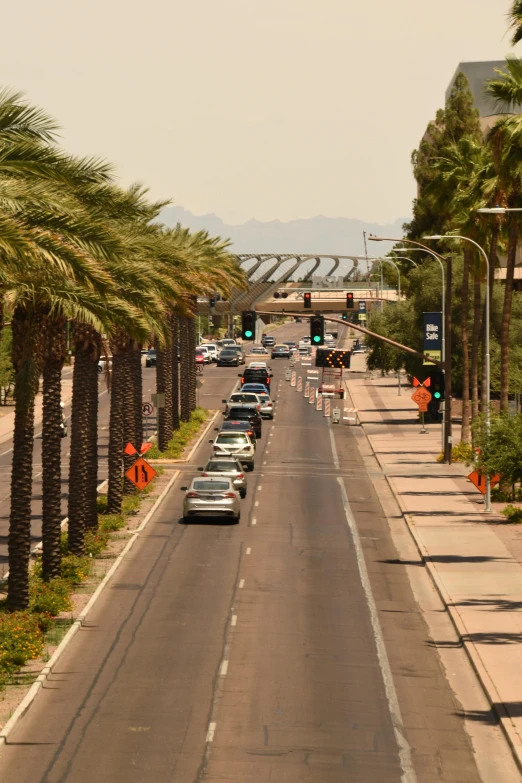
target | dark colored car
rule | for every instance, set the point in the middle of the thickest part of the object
(251, 375)
(247, 414)
(228, 357)
(150, 358)
(239, 350)
(238, 425)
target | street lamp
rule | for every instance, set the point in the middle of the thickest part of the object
(420, 246)
(388, 259)
(488, 395)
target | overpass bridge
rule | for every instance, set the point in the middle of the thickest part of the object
(275, 282)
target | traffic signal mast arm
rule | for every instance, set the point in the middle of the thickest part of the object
(364, 331)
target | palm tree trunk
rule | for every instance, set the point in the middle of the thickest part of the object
(175, 371)
(506, 313)
(465, 429)
(83, 466)
(185, 369)
(164, 386)
(54, 358)
(475, 340)
(27, 364)
(192, 363)
(129, 418)
(116, 431)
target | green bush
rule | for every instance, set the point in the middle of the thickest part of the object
(50, 597)
(513, 514)
(96, 541)
(75, 569)
(21, 639)
(181, 437)
(463, 452)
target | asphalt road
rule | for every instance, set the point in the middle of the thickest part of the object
(286, 648)
(6, 453)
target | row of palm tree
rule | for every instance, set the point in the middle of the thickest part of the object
(77, 249)
(471, 171)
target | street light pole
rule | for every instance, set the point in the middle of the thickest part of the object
(443, 297)
(488, 393)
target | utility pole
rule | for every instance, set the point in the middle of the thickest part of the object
(448, 439)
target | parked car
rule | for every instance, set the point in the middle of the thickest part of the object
(150, 358)
(228, 357)
(227, 468)
(244, 413)
(239, 425)
(234, 444)
(211, 496)
(281, 352)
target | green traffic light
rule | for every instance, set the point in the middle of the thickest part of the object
(317, 339)
(436, 395)
(248, 333)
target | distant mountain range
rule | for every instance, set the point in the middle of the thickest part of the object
(312, 235)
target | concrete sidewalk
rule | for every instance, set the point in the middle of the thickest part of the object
(474, 559)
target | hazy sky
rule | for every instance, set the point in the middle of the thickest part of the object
(251, 108)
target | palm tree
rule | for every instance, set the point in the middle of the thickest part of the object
(515, 21)
(505, 139)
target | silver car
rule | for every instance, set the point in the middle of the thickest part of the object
(242, 399)
(234, 444)
(227, 468)
(211, 497)
(267, 406)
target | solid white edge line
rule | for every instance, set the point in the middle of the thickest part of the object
(334, 447)
(75, 627)
(408, 770)
(254, 521)
(241, 584)
(234, 619)
(211, 732)
(248, 550)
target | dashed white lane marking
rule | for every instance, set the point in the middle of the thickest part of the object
(254, 521)
(241, 584)
(256, 503)
(234, 619)
(248, 550)
(211, 731)
(408, 769)
(259, 489)
(224, 668)
(264, 463)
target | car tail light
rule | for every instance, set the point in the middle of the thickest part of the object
(250, 432)
(240, 475)
(229, 495)
(204, 474)
(192, 495)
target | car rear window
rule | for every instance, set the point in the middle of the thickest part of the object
(211, 485)
(244, 397)
(241, 412)
(223, 467)
(231, 438)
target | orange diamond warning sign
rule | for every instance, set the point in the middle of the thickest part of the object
(141, 473)
(479, 480)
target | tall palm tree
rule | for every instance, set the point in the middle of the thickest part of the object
(515, 21)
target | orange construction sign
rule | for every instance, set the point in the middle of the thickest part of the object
(479, 480)
(141, 473)
(421, 396)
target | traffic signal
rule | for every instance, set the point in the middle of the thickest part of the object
(436, 387)
(212, 301)
(344, 316)
(308, 300)
(317, 330)
(349, 300)
(248, 324)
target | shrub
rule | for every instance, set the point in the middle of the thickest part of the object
(463, 452)
(96, 541)
(50, 597)
(513, 514)
(181, 437)
(75, 569)
(21, 639)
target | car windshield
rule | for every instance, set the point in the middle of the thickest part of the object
(223, 467)
(231, 438)
(243, 397)
(210, 485)
(227, 352)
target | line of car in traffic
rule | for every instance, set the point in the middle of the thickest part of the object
(223, 481)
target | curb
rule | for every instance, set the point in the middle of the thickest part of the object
(480, 670)
(185, 460)
(75, 627)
